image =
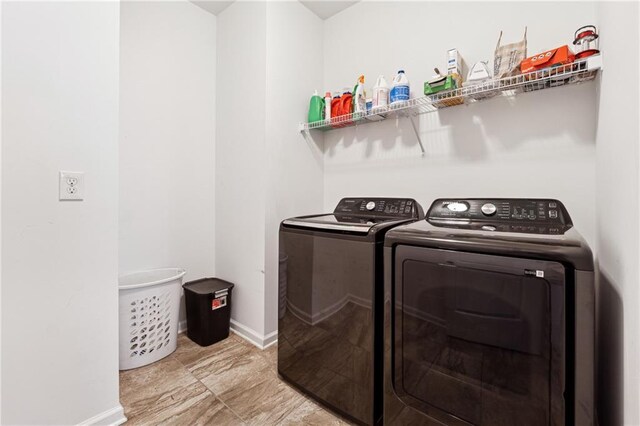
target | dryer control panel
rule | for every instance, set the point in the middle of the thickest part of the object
(539, 216)
(403, 208)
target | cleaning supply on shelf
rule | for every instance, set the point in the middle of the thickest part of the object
(507, 57)
(400, 88)
(439, 83)
(327, 106)
(346, 102)
(479, 73)
(359, 99)
(335, 105)
(316, 108)
(455, 63)
(373, 114)
(551, 58)
(380, 93)
(456, 66)
(346, 107)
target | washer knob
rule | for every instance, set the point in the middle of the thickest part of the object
(370, 205)
(488, 209)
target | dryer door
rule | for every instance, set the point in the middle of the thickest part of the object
(479, 337)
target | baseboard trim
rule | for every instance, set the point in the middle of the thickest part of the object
(270, 339)
(247, 333)
(112, 417)
(182, 326)
(252, 336)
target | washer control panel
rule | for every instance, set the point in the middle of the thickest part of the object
(512, 214)
(380, 207)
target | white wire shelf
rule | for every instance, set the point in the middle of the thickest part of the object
(573, 73)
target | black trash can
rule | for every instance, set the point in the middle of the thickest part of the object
(208, 303)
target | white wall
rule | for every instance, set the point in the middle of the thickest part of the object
(167, 137)
(240, 168)
(269, 55)
(536, 145)
(295, 165)
(617, 209)
(0, 214)
(59, 259)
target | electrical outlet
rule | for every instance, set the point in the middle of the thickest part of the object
(71, 186)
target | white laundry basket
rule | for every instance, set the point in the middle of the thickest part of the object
(149, 304)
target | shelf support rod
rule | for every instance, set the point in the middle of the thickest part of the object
(306, 134)
(415, 129)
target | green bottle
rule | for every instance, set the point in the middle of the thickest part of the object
(316, 108)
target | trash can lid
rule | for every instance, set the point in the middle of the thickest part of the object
(207, 285)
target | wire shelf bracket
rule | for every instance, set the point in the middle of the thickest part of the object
(417, 132)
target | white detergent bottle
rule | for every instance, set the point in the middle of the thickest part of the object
(400, 89)
(327, 106)
(380, 93)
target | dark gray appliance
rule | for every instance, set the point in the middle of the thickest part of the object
(330, 325)
(489, 316)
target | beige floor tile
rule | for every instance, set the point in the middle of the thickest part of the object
(193, 404)
(142, 387)
(271, 355)
(190, 353)
(229, 383)
(264, 400)
(311, 414)
(229, 368)
(166, 393)
(207, 411)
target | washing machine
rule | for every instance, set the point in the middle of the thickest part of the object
(489, 316)
(330, 303)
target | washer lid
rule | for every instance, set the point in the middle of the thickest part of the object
(353, 224)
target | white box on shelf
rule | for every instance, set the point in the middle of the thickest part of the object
(455, 63)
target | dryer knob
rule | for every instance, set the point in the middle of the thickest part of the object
(488, 209)
(370, 205)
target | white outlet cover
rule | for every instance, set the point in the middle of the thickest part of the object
(71, 186)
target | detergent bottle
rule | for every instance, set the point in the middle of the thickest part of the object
(316, 108)
(346, 106)
(359, 98)
(327, 106)
(400, 89)
(380, 93)
(346, 101)
(335, 106)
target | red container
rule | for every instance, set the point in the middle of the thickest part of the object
(339, 108)
(335, 107)
(551, 58)
(586, 41)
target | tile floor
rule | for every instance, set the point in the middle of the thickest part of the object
(229, 383)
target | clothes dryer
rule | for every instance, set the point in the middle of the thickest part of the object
(489, 316)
